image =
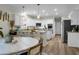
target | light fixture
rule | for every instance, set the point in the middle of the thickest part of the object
(23, 13)
(38, 16)
(55, 9)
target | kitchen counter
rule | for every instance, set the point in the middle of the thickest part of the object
(73, 39)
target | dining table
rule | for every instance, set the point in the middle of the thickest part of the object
(19, 44)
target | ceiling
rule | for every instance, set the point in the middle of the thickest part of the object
(44, 9)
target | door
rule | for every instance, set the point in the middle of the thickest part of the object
(58, 26)
(67, 27)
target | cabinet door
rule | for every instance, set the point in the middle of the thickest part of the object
(74, 18)
(78, 19)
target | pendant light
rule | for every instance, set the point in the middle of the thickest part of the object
(38, 16)
(23, 13)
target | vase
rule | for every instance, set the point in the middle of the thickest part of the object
(9, 39)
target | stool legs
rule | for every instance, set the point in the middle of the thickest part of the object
(1, 33)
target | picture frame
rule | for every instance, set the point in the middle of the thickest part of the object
(5, 16)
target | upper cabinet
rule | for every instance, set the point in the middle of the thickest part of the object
(75, 17)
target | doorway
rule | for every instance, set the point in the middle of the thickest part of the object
(58, 26)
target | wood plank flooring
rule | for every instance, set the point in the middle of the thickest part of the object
(57, 47)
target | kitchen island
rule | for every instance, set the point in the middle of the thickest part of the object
(73, 39)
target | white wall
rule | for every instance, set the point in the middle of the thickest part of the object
(75, 17)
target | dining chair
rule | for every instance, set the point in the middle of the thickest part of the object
(37, 49)
(24, 52)
(45, 43)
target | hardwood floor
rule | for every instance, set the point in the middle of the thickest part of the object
(57, 47)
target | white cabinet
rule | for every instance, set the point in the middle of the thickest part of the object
(73, 39)
(49, 34)
(75, 18)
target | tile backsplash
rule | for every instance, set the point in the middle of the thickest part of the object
(75, 28)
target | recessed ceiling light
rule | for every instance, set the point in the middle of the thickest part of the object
(56, 13)
(55, 9)
(43, 11)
